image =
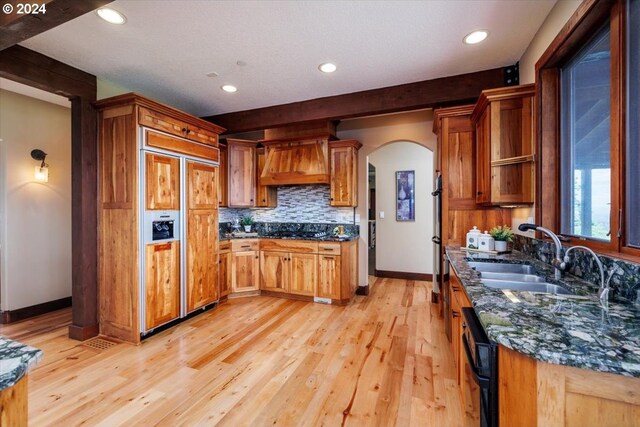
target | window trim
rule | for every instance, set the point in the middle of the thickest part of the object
(590, 16)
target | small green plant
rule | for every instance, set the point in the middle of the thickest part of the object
(502, 233)
(247, 220)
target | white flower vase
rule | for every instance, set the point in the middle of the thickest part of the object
(247, 228)
(501, 245)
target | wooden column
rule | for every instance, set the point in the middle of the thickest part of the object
(84, 219)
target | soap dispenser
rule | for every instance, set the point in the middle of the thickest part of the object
(472, 238)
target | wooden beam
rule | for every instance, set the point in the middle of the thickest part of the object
(411, 96)
(16, 27)
(28, 67)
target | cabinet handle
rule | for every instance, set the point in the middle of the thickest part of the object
(245, 246)
(327, 249)
(257, 257)
(455, 288)
(328, 257)
(479, 193)
(455, 314)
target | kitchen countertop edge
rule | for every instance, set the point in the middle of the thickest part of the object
(16, 360)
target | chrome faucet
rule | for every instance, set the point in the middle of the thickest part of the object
(557, 261)
(603, 292)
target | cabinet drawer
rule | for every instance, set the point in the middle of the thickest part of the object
(245, 245)
(224, 246)
(298, 246)
(329, 248)
(175, 126)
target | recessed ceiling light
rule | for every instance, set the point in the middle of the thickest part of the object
(475, 37)
(112, 16)
(327, 67)
(229, 88)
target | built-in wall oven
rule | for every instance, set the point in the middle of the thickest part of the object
(480, 380)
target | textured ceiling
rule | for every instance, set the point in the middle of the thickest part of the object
(166, 47)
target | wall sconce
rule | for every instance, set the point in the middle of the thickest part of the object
(41, 172)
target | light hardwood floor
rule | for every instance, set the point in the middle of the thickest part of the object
(382, 360)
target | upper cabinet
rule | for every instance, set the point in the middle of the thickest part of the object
(504, 121)
(343, 166)
(223, 188)
(241, 173)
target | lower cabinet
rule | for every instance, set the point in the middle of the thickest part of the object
(329, 276)
(162, 283)
(304, 276)
(224, 269)
(275, 271)
(245, 268)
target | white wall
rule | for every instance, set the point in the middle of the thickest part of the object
(35, 218)
(373, 133)
(404, 246)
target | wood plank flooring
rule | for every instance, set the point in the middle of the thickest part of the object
(383, 360)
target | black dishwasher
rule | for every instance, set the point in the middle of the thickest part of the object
(482, 359)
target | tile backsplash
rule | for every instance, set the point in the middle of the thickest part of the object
(299, 204)
(625, 276)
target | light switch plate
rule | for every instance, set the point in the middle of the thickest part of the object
(381, 214)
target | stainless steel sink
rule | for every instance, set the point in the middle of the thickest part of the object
(515, 277)
(496, 267)
(546, 288)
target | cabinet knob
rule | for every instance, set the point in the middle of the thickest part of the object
(479, 193)
(331, 198)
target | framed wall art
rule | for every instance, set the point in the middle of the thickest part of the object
(405, 196)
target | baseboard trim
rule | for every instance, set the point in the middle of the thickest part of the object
(403, 275)
(83, 333)
(11, 316)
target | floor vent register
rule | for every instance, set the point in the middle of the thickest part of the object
(99, 343)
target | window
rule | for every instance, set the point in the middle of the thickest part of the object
(589, 151)
(585, 184)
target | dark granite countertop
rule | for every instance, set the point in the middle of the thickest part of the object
(565, 330)
(16, 360)
(319, 239)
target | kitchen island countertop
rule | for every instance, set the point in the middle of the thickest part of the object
(16, 360)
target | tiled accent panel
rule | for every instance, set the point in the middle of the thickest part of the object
(298, 203)
(625, 276)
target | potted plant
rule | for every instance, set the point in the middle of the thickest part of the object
(247, 221)
(501, 234)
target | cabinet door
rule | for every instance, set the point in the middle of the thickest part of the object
(245, 269)
(329, 276)
(456, 327)
(224, 274)
(202, 186)
(223, 183)
(162, 283)
(304, 274)
(266, 195)
(344, 176)
(275, 269)
(163, 182)
(242, 174)
(201, 266)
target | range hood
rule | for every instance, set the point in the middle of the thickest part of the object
(296, 162)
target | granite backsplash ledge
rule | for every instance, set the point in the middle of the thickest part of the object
(625, 275)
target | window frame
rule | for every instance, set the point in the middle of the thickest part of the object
(590, 16)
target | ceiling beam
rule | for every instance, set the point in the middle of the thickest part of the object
(35, 69)
(411, 96)
(15, 28)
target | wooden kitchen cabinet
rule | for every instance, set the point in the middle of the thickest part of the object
(241, 164)
(131, 129)
(457, 156)
(223, 179)
(329, 267)
(245, 265)
(224, 269)
(163, 182)
(304, 270)
(266, 195)
(275, 271)
(343, 167)
(162, 283)
(459, 299)
(504, 120)
(202, 235)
